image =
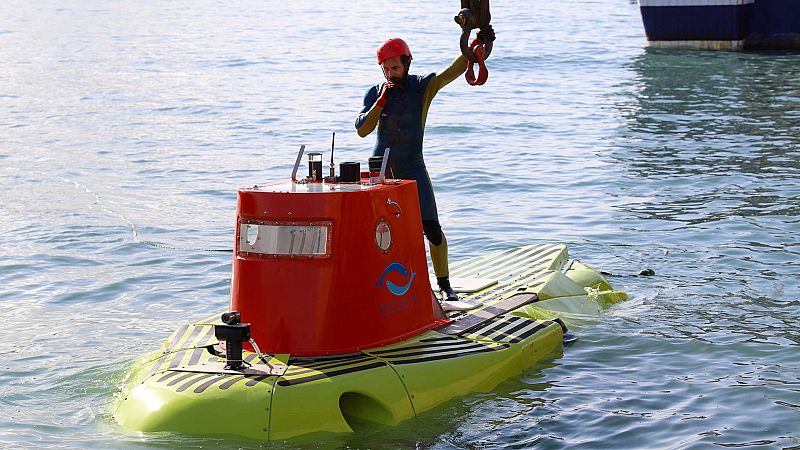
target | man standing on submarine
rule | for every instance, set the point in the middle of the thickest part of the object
(399, 108)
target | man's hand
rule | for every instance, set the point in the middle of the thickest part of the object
(381, 102)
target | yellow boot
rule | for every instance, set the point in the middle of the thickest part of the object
(441, 269)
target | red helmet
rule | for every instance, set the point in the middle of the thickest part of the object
(391, 48)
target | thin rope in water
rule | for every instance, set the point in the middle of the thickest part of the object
(97, 204)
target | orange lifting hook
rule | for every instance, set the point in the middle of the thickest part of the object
(483, 73)
(475, 14)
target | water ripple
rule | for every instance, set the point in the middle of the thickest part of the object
(129, 128)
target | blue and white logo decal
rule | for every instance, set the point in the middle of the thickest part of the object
(393, 288)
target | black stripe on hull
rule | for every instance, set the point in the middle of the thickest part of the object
(498, 324)
(300, 370)
(183, 377)
(521, 285)
(533, 330)
(193, 381)
(450, 355)
(479, 318)
(523, 266)
(439, 339)
(178, 335)
(216, 379)
(208, 338)
(192, 336)
(448, 343)
(255, 380)
(517, 330)
(196, 354)
(167, 376)
(177, 359)
(492, 266)
(458, 348)
(321, 375)
(157, 364)
(525, 330)
(233, 380)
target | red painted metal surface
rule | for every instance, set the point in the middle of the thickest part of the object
(356, 297)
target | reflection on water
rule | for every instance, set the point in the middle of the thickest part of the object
(711, 146)
(714, 112)
(720, 128)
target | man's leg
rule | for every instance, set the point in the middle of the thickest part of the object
(438, 246)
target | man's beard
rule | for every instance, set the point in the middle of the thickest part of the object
(401, 80)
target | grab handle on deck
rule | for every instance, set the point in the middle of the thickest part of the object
(297, 163)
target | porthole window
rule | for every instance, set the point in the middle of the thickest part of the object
(383, 235)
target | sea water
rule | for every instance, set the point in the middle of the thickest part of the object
(125, 129)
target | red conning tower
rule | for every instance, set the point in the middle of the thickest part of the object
(329, 268)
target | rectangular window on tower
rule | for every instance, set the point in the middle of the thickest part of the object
(288, 240)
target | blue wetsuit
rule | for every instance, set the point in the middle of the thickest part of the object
(401, 127)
